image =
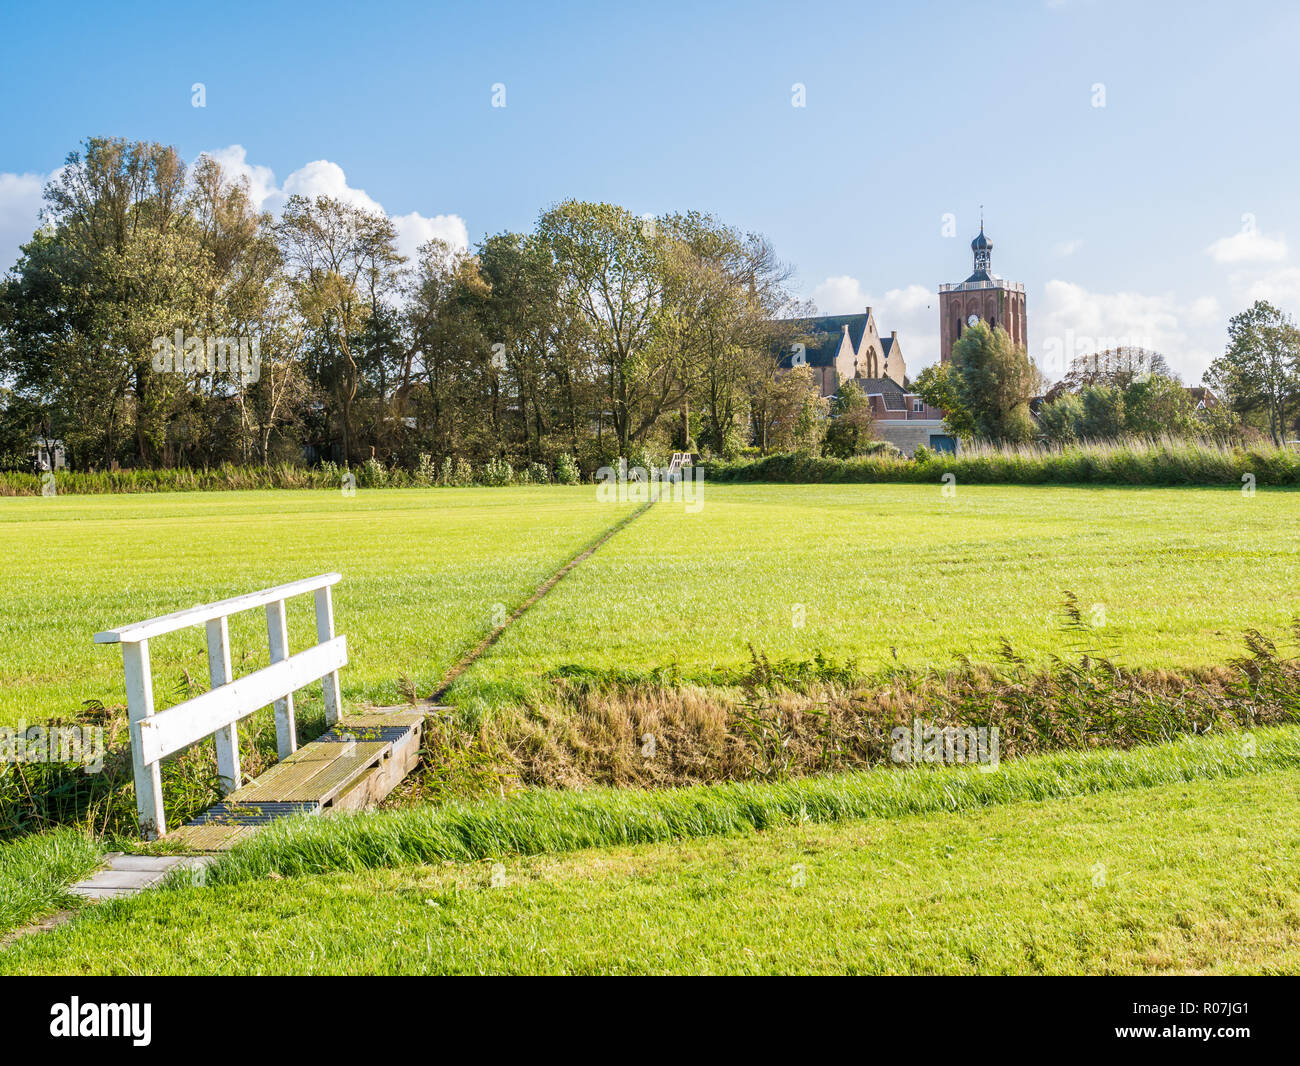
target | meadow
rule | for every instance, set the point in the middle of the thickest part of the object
(885, 575)
(1159, 860)
(426, 574)
(1071, 857)
(896, 576)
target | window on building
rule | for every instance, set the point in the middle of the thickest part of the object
(918, 405)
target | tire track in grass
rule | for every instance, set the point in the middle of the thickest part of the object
(468, 660)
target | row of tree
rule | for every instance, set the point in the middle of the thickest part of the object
(598, 334)
(992, 390)
(157, 319)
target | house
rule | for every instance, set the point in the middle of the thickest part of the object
(839, 347)
(47, 454)
(904, 419)
(848, 351)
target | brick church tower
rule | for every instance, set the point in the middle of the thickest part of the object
(981, 297)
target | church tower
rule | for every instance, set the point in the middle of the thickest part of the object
(982, 297)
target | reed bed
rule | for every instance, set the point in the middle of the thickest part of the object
(1135, 461)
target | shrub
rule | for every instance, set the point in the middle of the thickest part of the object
(538, 474)
(372, 475)
(642, 456)
(1162, 461)
(498, 472)
(425, 472)
(566, 470)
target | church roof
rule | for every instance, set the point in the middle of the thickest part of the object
(981, 243)
(824, 335)
(887, 345)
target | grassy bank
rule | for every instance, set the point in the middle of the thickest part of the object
(1129, 462)
(803, 717)
(551, 821)
(1188, 876)
(35, 873)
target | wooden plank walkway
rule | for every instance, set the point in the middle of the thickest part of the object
(353, 766)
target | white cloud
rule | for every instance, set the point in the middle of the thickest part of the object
(1066, 248)
(912, 310)
(414, 230)
(1280, 287)
(324, 178)
(1071, 320)
(1248, 246)
(20, 213)
(235, 165)
(840, 295)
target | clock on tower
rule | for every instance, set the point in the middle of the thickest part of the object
(982, 297)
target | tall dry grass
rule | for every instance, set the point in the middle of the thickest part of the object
(1135, 461)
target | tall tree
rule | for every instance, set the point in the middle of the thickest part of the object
(344, 262)
(1259, 373)
(119, 263)
(993, 380)
(1115, 366)
(611, 275)
(451, 392)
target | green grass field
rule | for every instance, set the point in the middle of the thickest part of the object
(1189, 876)
(872, 570)
(424, 571)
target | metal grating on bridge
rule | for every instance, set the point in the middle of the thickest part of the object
(253, 813)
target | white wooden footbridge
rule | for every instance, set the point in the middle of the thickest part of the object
(358, 761)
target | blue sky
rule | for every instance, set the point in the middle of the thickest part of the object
(1151, 218)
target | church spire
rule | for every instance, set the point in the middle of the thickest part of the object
(983, 249)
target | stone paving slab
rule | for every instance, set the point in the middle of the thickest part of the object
(125, 875)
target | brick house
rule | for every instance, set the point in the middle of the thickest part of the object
(839, 347)
(848, 351)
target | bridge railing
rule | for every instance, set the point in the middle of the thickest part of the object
(217, 712)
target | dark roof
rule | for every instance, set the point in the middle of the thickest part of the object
(980, 275)
(887, 345)
(890, 391)
(981, 243)
(824, 335)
